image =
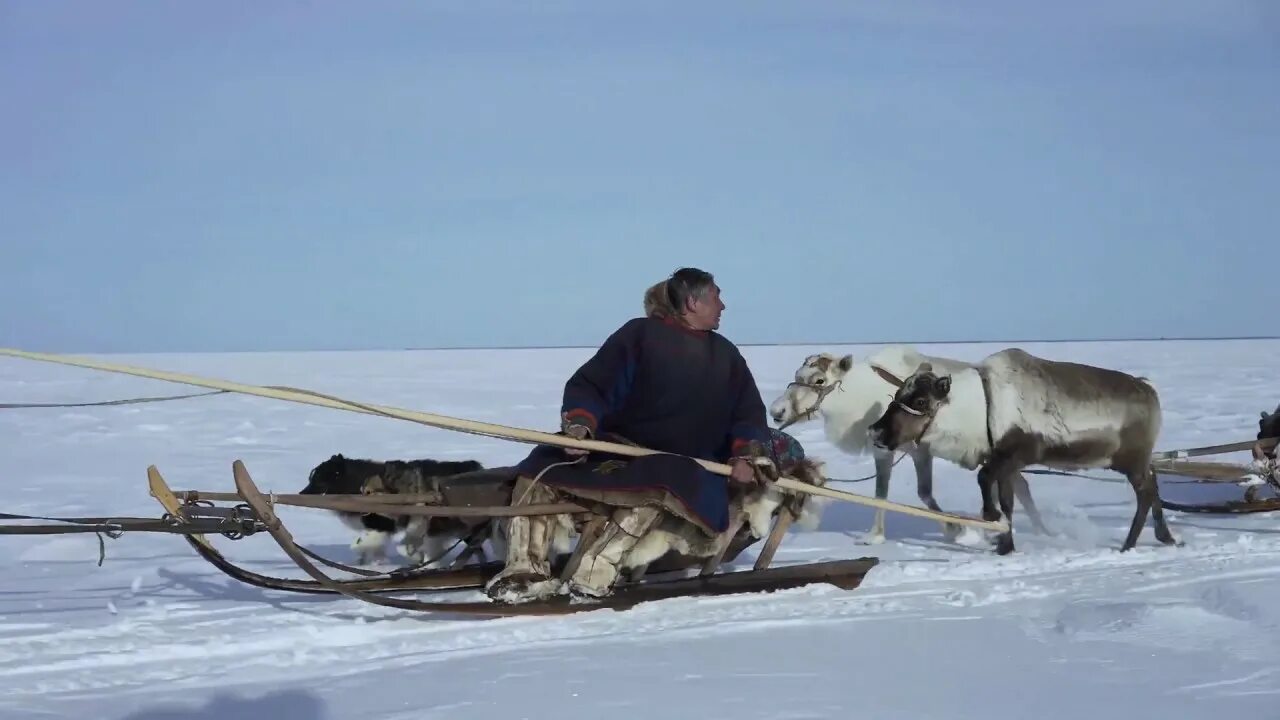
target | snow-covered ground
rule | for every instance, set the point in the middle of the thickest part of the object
(1065, 628)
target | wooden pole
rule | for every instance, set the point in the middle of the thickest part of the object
(309, 397)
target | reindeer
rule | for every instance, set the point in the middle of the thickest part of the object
(1014, 409)
(850, 395)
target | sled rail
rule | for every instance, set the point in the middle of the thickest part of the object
(388, 504)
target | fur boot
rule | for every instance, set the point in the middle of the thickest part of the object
(605, 557)
(527, 573)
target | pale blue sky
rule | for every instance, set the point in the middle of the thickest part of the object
(296, 175)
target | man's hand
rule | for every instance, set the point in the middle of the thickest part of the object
(742, 472)
(578, 432)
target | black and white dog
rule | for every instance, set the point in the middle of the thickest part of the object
(424, 537)
(1268, 428)
(1269, 424)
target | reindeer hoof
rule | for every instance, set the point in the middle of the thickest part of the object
(951, 531)
(1004, 544)
(872, 538)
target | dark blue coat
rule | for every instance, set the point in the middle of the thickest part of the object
(666, 387)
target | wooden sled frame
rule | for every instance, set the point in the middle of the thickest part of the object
(845, 574)
(1252, 477)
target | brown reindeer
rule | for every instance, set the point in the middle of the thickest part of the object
(1014, 409)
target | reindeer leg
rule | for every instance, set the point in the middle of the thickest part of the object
(923, 460)
(986, 485)
(1004, 541)
(1157, 508)
(1146, 494)
(1022, 491)
(884, 468)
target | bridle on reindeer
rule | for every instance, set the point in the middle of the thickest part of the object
(823, 390)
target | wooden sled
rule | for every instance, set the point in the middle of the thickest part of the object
(1262, 472)
(845, 574)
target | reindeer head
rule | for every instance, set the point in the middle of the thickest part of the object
(912, 409)
(814, 380)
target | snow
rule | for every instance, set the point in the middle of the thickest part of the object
(1067, 627)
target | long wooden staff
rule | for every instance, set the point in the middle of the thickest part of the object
(309, 397)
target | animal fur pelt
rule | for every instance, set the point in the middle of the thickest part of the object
(656, 302)
(424, 537)
(674, 537)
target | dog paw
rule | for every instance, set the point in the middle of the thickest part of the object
(413, 553)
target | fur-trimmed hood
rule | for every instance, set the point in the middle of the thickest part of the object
(656, 303)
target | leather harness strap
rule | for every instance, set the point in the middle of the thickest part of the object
(887, 376)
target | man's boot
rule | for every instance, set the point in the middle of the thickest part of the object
(601, 562)
(527, 574)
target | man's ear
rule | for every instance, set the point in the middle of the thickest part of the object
(942, 386)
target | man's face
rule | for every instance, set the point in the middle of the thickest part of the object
(704, 314)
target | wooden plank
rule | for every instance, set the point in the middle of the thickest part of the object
(780, 526)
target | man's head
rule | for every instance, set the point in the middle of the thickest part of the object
(696, 298)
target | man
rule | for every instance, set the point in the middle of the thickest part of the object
(667, 382)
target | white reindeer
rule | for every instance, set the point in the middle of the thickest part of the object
(851, 395)
(1014, 409)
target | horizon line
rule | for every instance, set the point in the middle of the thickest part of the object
(1186, 338)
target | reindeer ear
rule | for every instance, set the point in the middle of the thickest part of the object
(846, 362)
(942, 386)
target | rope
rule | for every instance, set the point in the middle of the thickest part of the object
(868, 477)
(102, 403)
